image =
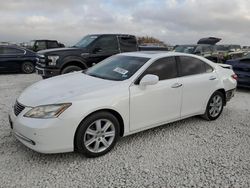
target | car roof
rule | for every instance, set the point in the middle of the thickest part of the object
(10, 46)
(194, 45)
(106, 34)
(155, 54)
(17, 47)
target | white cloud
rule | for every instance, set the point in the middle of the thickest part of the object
(174, 21)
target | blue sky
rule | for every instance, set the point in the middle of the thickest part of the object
(172, 21)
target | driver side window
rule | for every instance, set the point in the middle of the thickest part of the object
(106, 44)
(165, 68)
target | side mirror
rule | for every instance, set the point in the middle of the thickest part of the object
(97, 50)
(149, 79)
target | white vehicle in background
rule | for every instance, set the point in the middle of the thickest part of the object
(124, 94)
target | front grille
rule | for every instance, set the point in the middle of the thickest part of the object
(18, 108)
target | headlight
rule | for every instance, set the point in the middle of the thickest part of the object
(41, 55)
(47, 111)
(53, 60)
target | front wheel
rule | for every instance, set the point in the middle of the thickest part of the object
(28, 67)
(70, 69)
(214, 106)
(97, 134)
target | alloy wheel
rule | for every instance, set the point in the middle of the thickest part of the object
(28, 68)
(99, 135)
(215, 106)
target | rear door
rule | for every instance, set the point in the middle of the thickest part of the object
(199, 80)
(159, 103)
(11, 59)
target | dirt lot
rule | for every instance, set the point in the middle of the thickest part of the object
(191, 152)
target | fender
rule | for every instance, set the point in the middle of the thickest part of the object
(69, 59)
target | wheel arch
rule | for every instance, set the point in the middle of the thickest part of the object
(113, 112)
(224, 94)
(74, 62)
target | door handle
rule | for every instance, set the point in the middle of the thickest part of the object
(212, 78)
(176, 85)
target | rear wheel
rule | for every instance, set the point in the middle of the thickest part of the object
(72, 68)
(214, 106)
(97, 134)
(28, 67)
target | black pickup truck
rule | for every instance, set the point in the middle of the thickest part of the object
(87, 52)
(37, 45)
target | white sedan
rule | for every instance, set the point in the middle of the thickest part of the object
(124, 94)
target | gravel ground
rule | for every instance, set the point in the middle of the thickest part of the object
(188, 153)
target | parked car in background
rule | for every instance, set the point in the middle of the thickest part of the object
(246, 49)
(241, 67)
(226, 52)
(124, 94)
(16, 59)
(87, 52)
(37, 45)
(204, 50)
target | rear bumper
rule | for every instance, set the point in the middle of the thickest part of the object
(45, 72)
(230, 94)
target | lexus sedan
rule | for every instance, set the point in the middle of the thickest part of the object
(124, 94)
(17, 59)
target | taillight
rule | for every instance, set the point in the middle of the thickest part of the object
(234, 76)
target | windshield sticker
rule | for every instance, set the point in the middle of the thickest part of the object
(120, 70)
(93, 37)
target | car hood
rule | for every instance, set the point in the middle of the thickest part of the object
(63, 88)
(59, 50)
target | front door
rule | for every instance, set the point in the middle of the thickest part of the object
(156, 104)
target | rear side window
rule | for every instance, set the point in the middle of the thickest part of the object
(12, 51)
(191, 66)
(165, 68)
(52, 44)
(127, 43)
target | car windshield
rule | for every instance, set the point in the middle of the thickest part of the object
(185, 49)
(117, 67)
(85, 41)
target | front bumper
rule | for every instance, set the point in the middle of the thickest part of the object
(46, 72)
(43, 135)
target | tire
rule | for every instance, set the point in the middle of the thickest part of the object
(28, 67)
(69, 69)
(97, 134)
(216, 102)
